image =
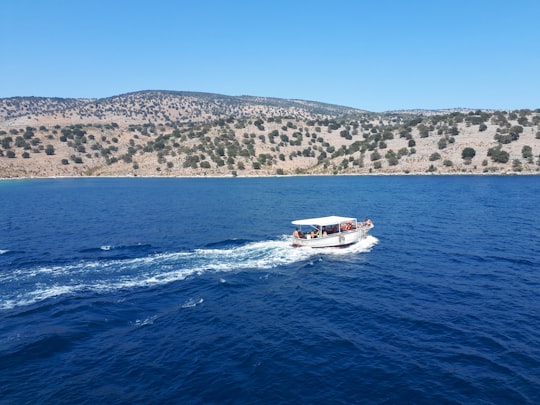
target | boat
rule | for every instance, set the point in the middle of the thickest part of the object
(332, 231)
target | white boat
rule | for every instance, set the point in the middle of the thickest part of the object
(332, 231)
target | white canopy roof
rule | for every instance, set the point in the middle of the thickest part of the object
(323, 221)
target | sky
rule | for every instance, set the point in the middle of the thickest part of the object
(377, 55)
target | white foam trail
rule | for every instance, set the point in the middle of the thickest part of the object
(3, 251)
(192, 303)
(148, 321)
(27, 286)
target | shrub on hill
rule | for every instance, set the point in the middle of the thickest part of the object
(526, 152)
(498, 155)
(468, 153)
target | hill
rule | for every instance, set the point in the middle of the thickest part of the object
(167, 133)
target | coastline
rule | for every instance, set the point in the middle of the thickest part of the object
(403, 174)
(190, 136)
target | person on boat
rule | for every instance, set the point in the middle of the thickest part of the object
(296, 234)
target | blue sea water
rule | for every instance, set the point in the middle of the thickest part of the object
(187, 291)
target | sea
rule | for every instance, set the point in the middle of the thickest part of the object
(188, 291)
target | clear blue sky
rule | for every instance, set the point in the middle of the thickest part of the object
(377, 55)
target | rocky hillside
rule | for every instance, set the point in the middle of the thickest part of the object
(164, 133)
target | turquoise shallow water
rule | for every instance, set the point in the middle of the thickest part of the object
(188, 291)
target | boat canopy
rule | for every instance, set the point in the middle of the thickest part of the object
(323, 221)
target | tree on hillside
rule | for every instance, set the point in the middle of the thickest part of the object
(526, 152)
(29, 133)
(442, 143)
(498, 155)
(393, 160)
(515, 131)
(523, 121)
(6, 142)
(423, 130)
(468, 153)
(20, 142)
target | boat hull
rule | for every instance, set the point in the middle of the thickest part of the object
(340, 239)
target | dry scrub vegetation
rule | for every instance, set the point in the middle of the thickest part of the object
(160, 133)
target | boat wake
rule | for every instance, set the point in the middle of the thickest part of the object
(26, 286)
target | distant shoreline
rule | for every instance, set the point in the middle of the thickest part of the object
(195, 135)
(435, 174)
